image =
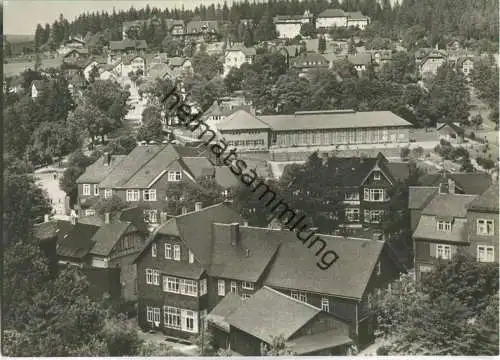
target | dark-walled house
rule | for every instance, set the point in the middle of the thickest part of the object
(194, 260)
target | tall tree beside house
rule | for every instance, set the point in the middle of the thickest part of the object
(208, 66)
(308, 30)
(39, 36)
(152, 127)
(485, 80)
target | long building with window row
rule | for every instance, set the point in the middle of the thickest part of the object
(314, 128)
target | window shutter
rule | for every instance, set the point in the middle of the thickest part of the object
(432, 250)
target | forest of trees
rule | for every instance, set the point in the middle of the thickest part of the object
(416, 22)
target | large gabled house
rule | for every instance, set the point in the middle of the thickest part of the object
(474, 183)
(143, 177)
(442, 227)
(102, 248)
(288, 26)
(237, 55)
(194, 260)
(127, 46)
(207, 30)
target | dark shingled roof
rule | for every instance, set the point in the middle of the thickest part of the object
(448, 205)
(195, 229)
(269, 313)
(127, 43)
(487, 201)
(98, 171)
(328, 13)
(229, 304)
(470, 183)
(78, 241)
(399, 170)
(106, 237)
(347, 277)
(419, 195)
(248, 258)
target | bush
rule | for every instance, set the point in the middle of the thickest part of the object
(405, 153)
(485, 163)
(383, 350)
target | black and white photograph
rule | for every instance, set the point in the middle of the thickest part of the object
(231, 178)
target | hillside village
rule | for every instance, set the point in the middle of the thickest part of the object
(373, 126)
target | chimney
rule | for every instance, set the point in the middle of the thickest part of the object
(198, 206)
(46, 218)
(163, 217)
(443, 188)
(451, 186)
(106, 218)
(234, 233)
(107, 159)
(184, 210)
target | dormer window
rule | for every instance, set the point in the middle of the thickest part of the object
(444, 226)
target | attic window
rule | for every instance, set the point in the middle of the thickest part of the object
(376, 175)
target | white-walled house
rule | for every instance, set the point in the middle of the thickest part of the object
(288, 26)
(357, 20)
(131, 63)
(331, 18)
(236, 56)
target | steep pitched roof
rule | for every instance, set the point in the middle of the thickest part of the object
(225, 178)
(106, 237)
(487, 201)
(97, 172)
(308, 59)
(196, 26)
(448, 205)
(427, 229)
(248, 51)
(77, 242)
(198, 166)
(248, 257)
(470, 183)
(241, 119)
(229, 304)
(269, 313)
(347, 277)
(419, 195)
(356, 15)
(195, 229)
(360, 59)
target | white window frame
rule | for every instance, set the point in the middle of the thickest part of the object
(174, 176)
(350, 212)
(247, 285)
(152, 277)
(189, 317)
(86, 189)
(485, 227)
(172, 317)
(96, 190)
(133, 195)
(221, 288)
(488, 253)
(369, 195)
(150, 216)
(234, 287)
(370, 214)
(444, 226)
(303, 297)
(245, 296)
(168, 251)
(191, 257)
(149, 314)
(154, 250)
(351, 196)
(376, 175)
(443, 251)
(149, 195)
(188, 287)
(203, 286)
(89, 212)
(108, 193)
(177, 252)
(325, 304)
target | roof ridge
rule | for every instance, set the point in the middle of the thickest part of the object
(289, 297)
(197, 211)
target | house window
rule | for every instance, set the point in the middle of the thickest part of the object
(221, 288)
(168, 251)
(86, 189)
(108, 193)
(351, 196)
(376, 175)
(174, 176)
(188, 287)
(247, 285)
(190, 318)
(171, 284)
(234, 287)
(485, 227)
(152, 277)
(444, 226)
(245, 296)
(177, 252)
(153, 250)
(485, 253)
(191, 257)
(443, 251)
(373, 216)
(172, 317)
(96, 190)
(203, 286)
(297, 295)
(150, 216)
(153, 315)
(89, 212)
(325, 304)
(375, 195)
(352, 214)
(294, 295)
(149, 195)
(133, 195)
